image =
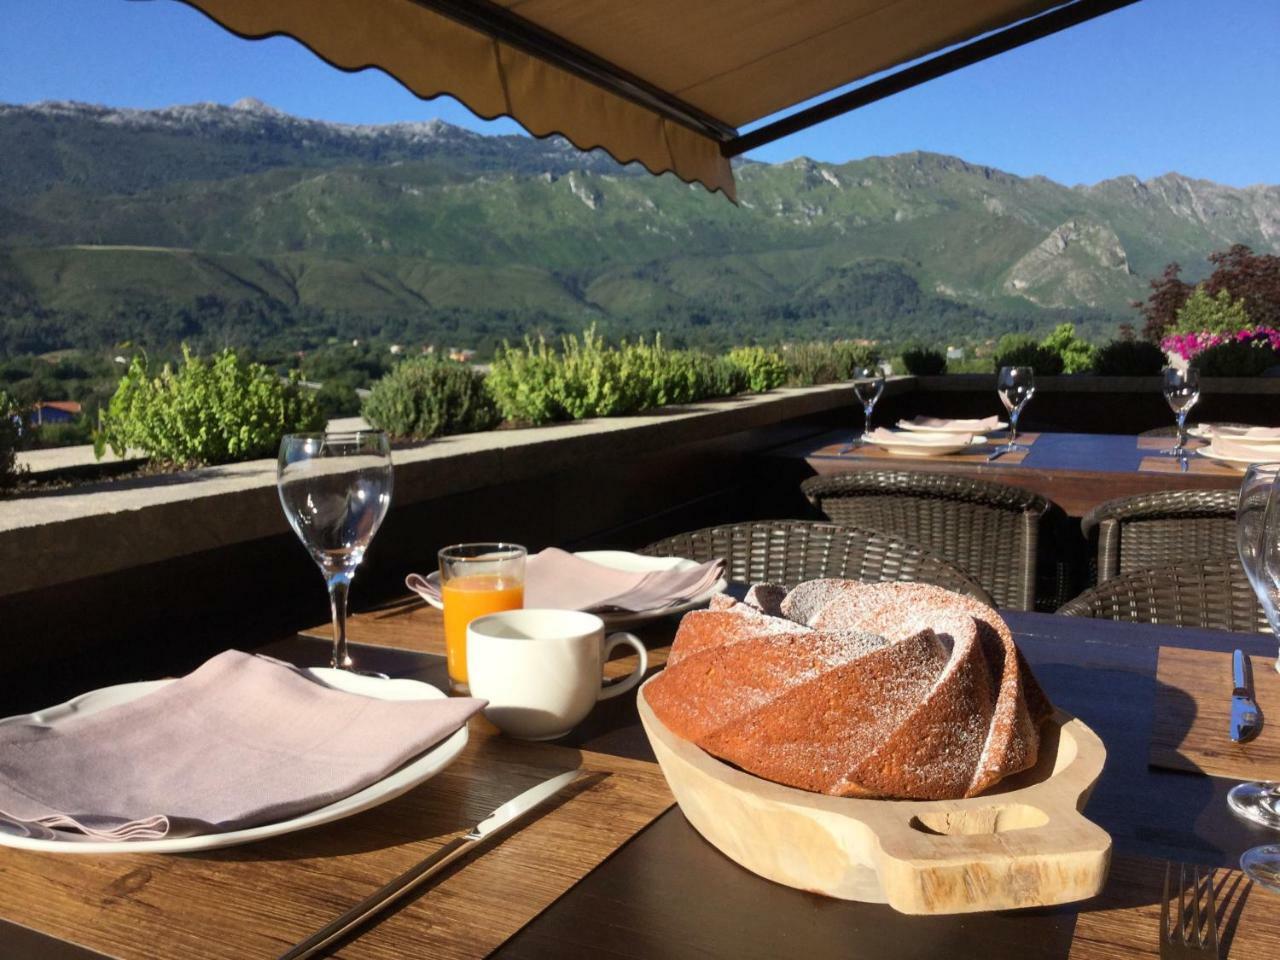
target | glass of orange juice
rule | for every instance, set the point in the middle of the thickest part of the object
(476, 579)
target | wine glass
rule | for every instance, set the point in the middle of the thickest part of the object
(1258, 542)
(1181, 390)
(1016, 386)
(335, 489)
(868, 384)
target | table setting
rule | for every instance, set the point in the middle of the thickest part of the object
(481, 767)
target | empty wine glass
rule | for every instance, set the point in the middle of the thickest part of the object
(1258, 542)
(1181, 390)
(868, 384)
(1016, 386)
(335, 489)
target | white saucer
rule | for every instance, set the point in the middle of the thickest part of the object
(632, 563)
(1241, 462)
(421, 768)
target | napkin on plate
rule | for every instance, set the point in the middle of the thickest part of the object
(942, 424)
(881, 436)
(241, 741)
(1267, 434)
(558, 580)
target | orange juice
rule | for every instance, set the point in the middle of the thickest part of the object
(466, 598)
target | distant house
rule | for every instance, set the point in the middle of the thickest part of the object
(955, 353)
(53, 411)
(461, 354)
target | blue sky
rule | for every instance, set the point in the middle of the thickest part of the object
(1185, 85)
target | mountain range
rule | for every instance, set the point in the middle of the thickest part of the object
(240, 221)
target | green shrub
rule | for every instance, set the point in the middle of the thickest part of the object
(67, 434)
(809, 364)
(428, 397)
(1078, 355)
(337, 398)
(922, 361)
(207, 411)
(763, 369)
(1129, 358)
(11, 438)
(1017, 350)
(536, 384)
(1237, 358)
(1203, 313)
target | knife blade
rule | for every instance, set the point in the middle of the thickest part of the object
(496, 823)
(1246, 720)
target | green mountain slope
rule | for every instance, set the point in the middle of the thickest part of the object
(134, 224)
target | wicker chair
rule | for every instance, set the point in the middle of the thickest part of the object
(792, 551)
(1154, 529)
(988, 530)
(1210, 593)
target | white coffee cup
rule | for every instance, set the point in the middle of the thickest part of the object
(542, 670)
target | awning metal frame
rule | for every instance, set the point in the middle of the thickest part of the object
(509, 28)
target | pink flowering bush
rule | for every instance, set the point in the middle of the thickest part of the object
(1187, 345)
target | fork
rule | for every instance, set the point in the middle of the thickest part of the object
(1178, 941)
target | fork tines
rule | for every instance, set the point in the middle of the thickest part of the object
(1193, 934)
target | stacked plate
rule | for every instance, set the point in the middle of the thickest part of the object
(923, 443)
(1241, 446)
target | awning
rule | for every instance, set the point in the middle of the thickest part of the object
(666, 83)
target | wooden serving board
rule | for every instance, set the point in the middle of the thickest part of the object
(1193, 713)
(1025, 845)
(259, 899)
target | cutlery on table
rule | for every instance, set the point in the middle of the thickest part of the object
(1246, 720)
(995, 455)
(491, 826)
(1200, 939)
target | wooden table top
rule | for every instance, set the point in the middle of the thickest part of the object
(1077, 471)
(669, 894)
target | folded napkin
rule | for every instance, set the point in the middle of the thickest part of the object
(1245, 433)
(558, 580)
(942, 424)
(905, 437)
(241, 741)
(1239, 448)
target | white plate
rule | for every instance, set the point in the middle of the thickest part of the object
(421, 768)
(632, 563)
(1240, 462)
(918, 428)
(927, 445)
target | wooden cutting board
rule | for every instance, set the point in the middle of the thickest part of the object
(1123, 922)
(1193, 712)
(257, 900)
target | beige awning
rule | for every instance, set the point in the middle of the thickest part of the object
(666, 83)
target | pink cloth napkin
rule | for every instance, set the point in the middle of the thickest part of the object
(983, 425)
(558, 580)
(241, 741)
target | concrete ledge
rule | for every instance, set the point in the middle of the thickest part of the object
(65, 535)
(1087, 383)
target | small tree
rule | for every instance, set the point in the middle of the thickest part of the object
(1078, 355)
(11, 436)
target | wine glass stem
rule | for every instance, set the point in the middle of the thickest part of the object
(1013, 426)
(866, 417)
(1182, 429)
(338, 586)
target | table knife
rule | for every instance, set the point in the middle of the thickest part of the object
(491, 826)
(1246, 720)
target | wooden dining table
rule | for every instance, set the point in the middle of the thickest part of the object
(663, 892)
(1077, 471)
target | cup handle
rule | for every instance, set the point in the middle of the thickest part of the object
(617, 639)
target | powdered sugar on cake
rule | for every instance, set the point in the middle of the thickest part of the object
(891, 689)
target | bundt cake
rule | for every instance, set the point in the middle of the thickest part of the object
(900, 690)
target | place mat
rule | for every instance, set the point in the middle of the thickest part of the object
(1166, 443)
(1196, 467)
(1193, 712)
(259, 899)
(1124, 921)
(871, 452)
